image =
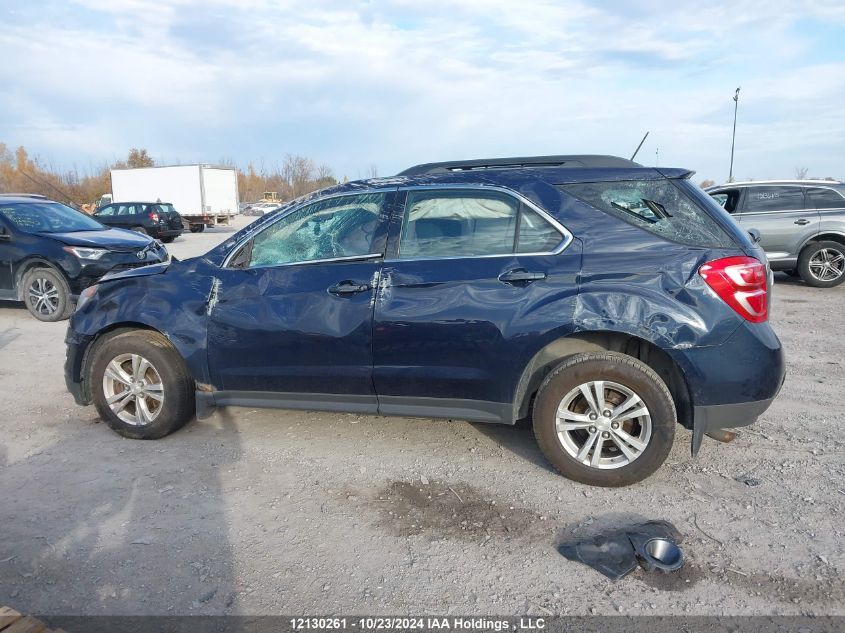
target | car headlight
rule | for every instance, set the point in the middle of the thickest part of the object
(85, 295)
(81, 252)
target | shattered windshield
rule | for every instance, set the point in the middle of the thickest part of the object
(337, 227)
(657, 206)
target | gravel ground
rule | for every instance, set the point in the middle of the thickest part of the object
(273, 512)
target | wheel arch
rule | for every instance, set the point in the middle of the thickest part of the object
(824, 236)
(545, 360)
(36, 262)
(114, 329)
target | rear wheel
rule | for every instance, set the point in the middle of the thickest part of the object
(604, 419)
(168, 240)
(140, 385)
(197, 228)
(47, 294)
(822, 264)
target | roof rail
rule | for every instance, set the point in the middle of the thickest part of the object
(575, 160)
(24, 195)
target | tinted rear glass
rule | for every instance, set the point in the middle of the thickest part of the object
(658, 206)
(764, 199)
(825, 198)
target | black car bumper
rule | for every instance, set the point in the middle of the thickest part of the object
(77, 347)
(166, 232)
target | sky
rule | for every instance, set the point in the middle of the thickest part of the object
(352, 83)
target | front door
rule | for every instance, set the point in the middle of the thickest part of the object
(781, 215)
(470, 284)
(290, 318)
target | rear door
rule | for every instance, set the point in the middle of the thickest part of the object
(782, 216)
(474, 274)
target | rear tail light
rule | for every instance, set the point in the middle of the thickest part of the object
(154, 217)
(741, 283)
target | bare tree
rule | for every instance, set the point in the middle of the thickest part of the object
(801, 173)
(706, 183)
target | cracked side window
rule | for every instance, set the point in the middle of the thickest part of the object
(658, 206)
(336, 227)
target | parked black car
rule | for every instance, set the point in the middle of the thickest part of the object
(49, 253)
(157, 219)
(605, 300)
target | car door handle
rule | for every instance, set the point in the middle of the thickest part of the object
(348, 288)
(802, 222)
(520, 275)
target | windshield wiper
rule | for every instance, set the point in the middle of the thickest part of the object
(634, 213)
(657, 209)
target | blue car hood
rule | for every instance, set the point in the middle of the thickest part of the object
(113, 239)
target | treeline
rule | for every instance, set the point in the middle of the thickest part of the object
(22, 173)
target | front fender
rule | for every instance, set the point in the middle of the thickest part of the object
(174, 303)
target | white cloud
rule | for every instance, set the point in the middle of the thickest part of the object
(406, 81)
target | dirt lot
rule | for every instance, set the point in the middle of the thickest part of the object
(269, 512)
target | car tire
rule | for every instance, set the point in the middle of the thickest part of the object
(168, 240)
(822, 264)
(140, 229)
(197, 228)
(46, 294)
(160, 393)
(632, 448)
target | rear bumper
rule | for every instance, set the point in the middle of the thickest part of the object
(732, 384)
(159, 233)
(725, 416)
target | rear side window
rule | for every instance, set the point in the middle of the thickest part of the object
(821, 198)
(765, 199)
(463, 223)
(658, 206)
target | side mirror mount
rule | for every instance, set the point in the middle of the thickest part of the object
(755, 235)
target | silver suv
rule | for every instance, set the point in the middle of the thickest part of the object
(801, 224)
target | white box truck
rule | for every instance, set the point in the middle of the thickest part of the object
(203, 195)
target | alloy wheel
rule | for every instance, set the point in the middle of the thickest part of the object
(133, 389)
(828, 264)
(43, 296)
(603, 424)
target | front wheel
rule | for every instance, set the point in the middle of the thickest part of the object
(140, 385)
(604, 419)
(822, 264)
(197, 228)
(47, 295)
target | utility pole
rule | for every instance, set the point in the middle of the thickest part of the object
(733, 138)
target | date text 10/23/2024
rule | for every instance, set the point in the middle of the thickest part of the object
(423, 623)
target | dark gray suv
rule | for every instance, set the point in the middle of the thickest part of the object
(801, 223)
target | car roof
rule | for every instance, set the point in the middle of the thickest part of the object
(17, 198)
(510, 173)
(135, 202)
(749, 183)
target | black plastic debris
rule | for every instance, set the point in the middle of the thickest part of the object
(748, 481)
(652, 545)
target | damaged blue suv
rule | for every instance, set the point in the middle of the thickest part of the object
(605, 301)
